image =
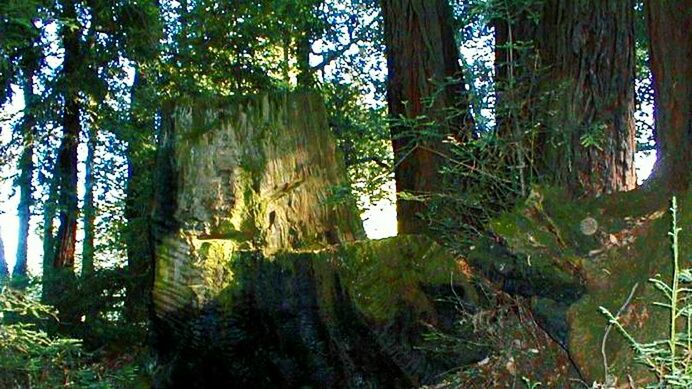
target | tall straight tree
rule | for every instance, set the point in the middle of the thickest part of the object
(26, 164)
(59, 276)
(139, 197)
(66, 167)
(20, 59)
(583, 99)
(140, 154)
(669, 23)
(424, 79)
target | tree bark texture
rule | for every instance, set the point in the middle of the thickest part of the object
(259, 280)
(66, 168)
(579, 111)
(669, 23)
(60, 283)
(258, 175)
(425, 79)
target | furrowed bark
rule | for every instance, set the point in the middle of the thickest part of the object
(579, 110)
(669, 23)
(59, 286)
(66, 169)
(422, 60)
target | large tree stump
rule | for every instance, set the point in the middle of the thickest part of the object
(260, 280)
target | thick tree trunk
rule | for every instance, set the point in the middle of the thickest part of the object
(669, 23)
(583, 104)
(425, 79)
(250, 287)
(59, 287)
(257, 179)
(66, 168)
(26, 169)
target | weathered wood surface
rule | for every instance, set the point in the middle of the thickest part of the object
(259, 278)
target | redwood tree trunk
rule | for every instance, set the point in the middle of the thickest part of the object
(422, 60)
(583, 103)
(669, 24)
(59, 286)
(66, 169)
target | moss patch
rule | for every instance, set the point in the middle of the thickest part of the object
(387, 276)
(600, 248)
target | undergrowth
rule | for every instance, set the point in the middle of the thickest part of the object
(31, 358)
(669, 359)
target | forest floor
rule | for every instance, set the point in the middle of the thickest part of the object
(522, 353)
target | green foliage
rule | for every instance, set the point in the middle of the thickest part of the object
(31, 358)
(364, 142)
(484, 182)
(668, 358)
(594, 137)
(18, 34)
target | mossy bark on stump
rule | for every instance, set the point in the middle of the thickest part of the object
(259, 278)
(573, 257)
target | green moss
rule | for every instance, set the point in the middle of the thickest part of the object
(172, 273)
(612, 277)
(214, 263)
(629, 246)
(386, 276)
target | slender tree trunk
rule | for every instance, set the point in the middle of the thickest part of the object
(139, 197)
(49, 213)
(423, 65)
(583, 102)
(306, 32)
(669, 23)
(89, 212)
(26, 169)
(4, 271)
(304, 47)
